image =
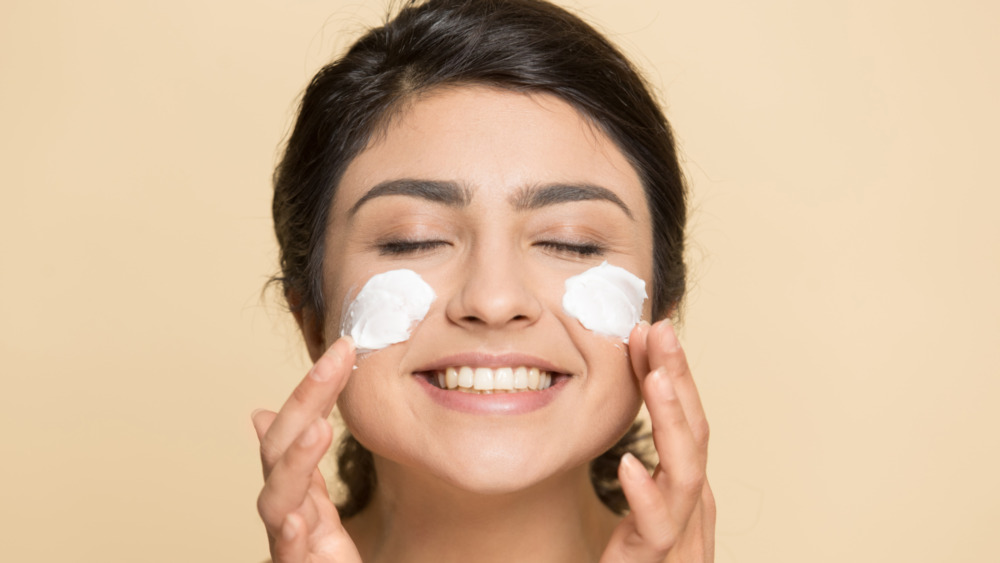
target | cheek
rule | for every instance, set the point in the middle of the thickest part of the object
(364, 404)
(613, 390)
(378, 308)
(387, 309)
(622, 398)
(606, 299)
(356, 399)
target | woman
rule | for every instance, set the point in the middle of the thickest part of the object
(493, 151)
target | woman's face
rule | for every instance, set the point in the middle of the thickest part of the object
(495, 198)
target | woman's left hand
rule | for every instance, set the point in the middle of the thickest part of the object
(672, 516)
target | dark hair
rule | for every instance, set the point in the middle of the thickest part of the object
(519, 45)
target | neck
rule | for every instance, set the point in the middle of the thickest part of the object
(416, 518)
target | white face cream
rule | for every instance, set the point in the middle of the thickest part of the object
(606, 299)
(386, 309)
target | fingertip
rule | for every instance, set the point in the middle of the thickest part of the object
(638, 349)
(344, 347)
(639, 332)
(627, 478)
(663, 346)
(253, 420)
(631, 468)
(351, 346)
(637, 485)
(666, 335)
(259, 419)
(339, 353)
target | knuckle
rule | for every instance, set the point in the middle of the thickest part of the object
(266, 508)
(661, 541)
(664, 544)
(708, 501)
(674, 426)
(710, 509)
(691, 481)
(301, 393)
(702, 432)
(269, 453)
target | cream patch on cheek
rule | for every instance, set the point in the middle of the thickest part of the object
(387, 309)
(606, 299)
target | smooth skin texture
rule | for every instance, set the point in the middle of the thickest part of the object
(460, 486)
(673, 511)
(497, 251)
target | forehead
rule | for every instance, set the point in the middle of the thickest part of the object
(494, 142)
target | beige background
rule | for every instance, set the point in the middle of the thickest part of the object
(843, 322)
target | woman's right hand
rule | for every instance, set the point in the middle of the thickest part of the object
(302, 522)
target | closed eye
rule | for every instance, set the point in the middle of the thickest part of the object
(402, 247)
(577, 249)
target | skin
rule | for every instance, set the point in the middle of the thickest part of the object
(460, 486)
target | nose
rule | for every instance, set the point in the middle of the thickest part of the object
(493, 293)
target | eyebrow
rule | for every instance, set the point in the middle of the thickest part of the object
(550, 194)
(448, 193)
(456, 195)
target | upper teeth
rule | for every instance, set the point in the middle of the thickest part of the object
(486, 380)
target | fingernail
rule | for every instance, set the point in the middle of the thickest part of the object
(288, 528)
(320, 372)
(253, 415)
(633, 466)
(349, 341)
(310, 436)
(343, 347)
(663, 384)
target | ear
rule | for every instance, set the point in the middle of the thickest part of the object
(309, 323)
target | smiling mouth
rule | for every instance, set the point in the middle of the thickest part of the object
(484, 381)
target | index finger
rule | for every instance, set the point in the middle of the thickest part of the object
(312, 398)
(664, 350)
(637, 350)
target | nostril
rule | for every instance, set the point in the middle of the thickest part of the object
(483, 305)
(474, 319)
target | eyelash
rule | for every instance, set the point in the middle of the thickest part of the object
(401, 247)
(584, 250)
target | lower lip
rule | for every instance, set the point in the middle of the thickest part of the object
(493, 403)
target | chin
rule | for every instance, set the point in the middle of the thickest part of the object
(495, 461)
(500, 471)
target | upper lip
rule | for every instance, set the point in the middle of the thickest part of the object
(489, 360)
